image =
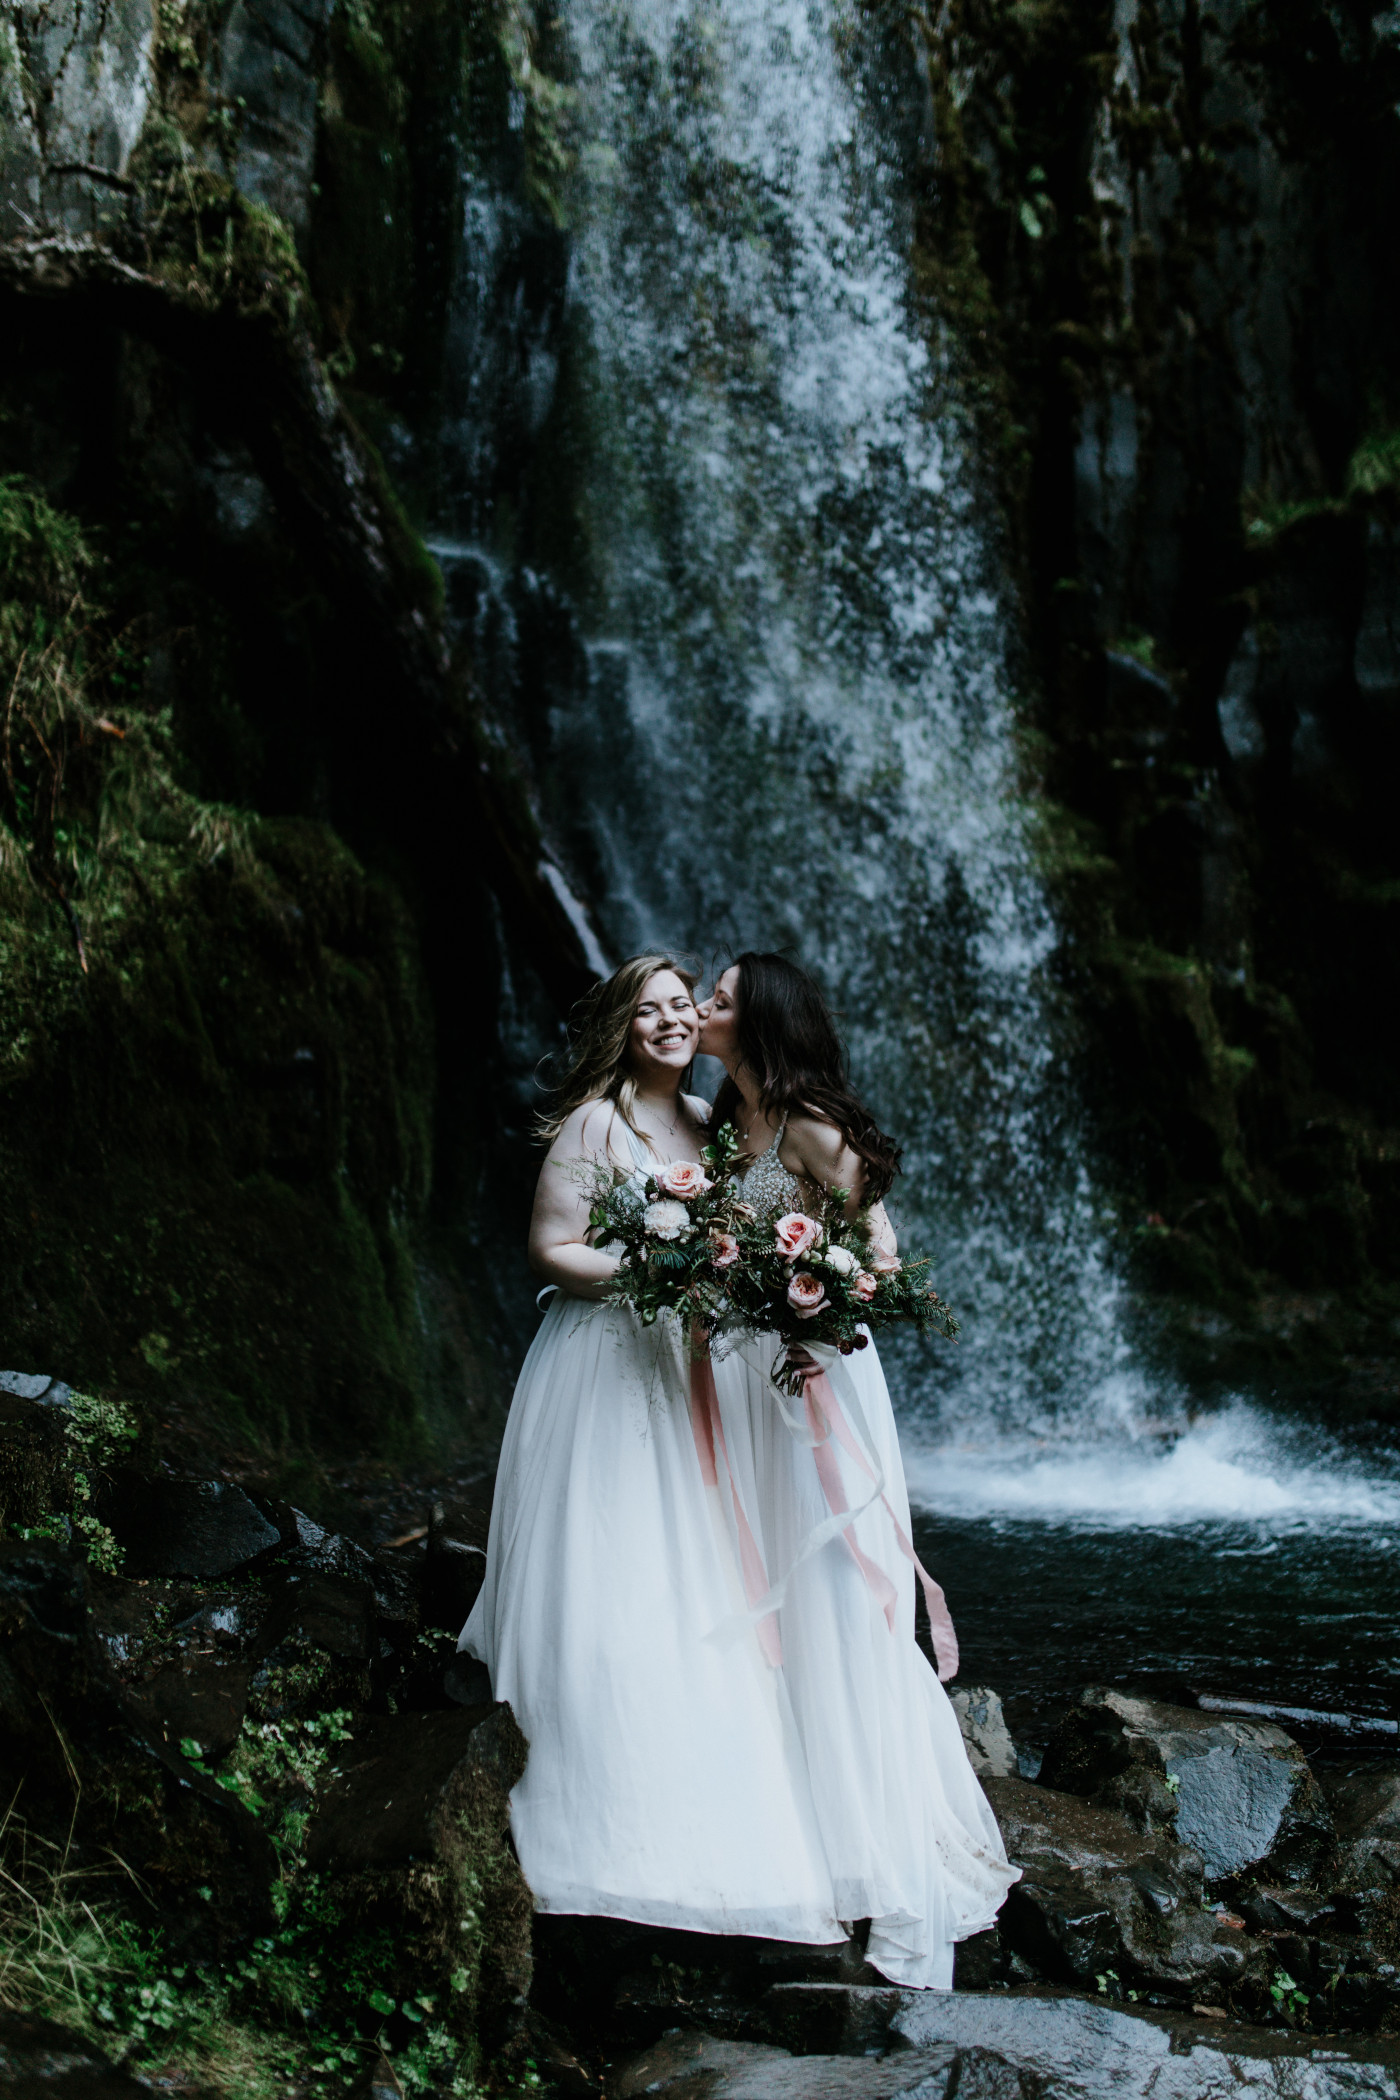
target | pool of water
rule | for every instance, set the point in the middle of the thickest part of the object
(1241, 1558)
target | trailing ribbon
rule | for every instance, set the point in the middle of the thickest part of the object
(707, 1427)
(826, 1419)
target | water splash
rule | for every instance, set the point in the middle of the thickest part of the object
(1237, 1468)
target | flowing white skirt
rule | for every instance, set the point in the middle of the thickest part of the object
(674, 1776)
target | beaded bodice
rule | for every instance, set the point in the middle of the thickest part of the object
(767, 1184)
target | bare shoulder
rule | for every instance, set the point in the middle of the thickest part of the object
(585, 1134)
(815, 1138)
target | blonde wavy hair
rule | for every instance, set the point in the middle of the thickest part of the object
(601, 1028)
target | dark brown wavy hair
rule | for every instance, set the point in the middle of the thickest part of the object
(788, 1040)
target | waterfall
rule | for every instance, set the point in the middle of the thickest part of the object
(788, 716)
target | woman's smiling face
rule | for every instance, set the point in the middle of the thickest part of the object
(719, 1019)
(665, 1032)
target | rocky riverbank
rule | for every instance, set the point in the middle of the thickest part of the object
(261, 1810)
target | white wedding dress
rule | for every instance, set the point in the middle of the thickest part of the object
(676, 1776)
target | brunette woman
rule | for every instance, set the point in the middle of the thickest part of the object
(909, 1840)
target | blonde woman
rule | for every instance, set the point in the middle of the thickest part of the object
(665, 1781)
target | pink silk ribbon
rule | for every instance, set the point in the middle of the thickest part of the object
(707, 1427)
(825, 1419)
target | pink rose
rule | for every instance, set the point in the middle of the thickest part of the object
(724, 1249)
(795, 1234)
(684, 1178)
(806, 1294)
(886, 1264)
(863, 1286)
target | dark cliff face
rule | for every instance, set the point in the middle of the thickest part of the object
(270, 881)
(1168, 231)
(248, 355)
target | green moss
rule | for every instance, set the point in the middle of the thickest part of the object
(214, 1061)
(1374, 467)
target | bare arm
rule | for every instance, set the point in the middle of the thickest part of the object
(558, 1246)
(825, 1158)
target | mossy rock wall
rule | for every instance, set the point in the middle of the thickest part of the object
(1164, 235)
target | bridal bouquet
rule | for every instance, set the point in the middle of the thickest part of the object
(690, 1245)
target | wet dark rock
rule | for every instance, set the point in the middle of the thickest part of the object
(613, 1983)
(411, 1830)
(334, 1613)
(687, 2064)
(195, 1698)
(1239, 1791)
(38, 2057)
(1293, 1910)
(466, 1681)
(38, 1386)
(1365, 1801)
(990, 1750)
(34, 1459)
(1098, 1896)
(832, 2019)
(938, 2044)
(231, 1623)
(268, 67)
(456, 1566)
(197, 1528)
(398, 1585)
(1364, 1884)
(74, 1739)
(1080, 2050)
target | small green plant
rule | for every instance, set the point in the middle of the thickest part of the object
(1289, 1999)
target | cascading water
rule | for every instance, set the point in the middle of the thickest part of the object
(770, 695)
(718, 528)
(796, 724)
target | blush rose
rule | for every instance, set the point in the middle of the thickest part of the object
(863, 1286)
(795, 1234)
(724, 1249)
(684, 1178)
(806, 1294)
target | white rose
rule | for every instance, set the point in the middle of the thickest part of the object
(666, 1220)
(841, 1259)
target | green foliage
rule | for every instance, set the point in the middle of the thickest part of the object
(97, 1431)
(303, 2003)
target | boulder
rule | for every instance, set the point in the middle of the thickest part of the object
(196, 1528)
(39, 1386)
(456, 1566)
(1012, 2046)
(40, 2060)
(689, 2065)
(35, 1468)
(1079, 2050)
(614, 1983)
(990, 1750)
(1239, 1792)
(939, 2045)
(1100, 1898)
(75, 1744)
(196, 1698)
(1364, 1884)
(411, 1831)
(334, 1613)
